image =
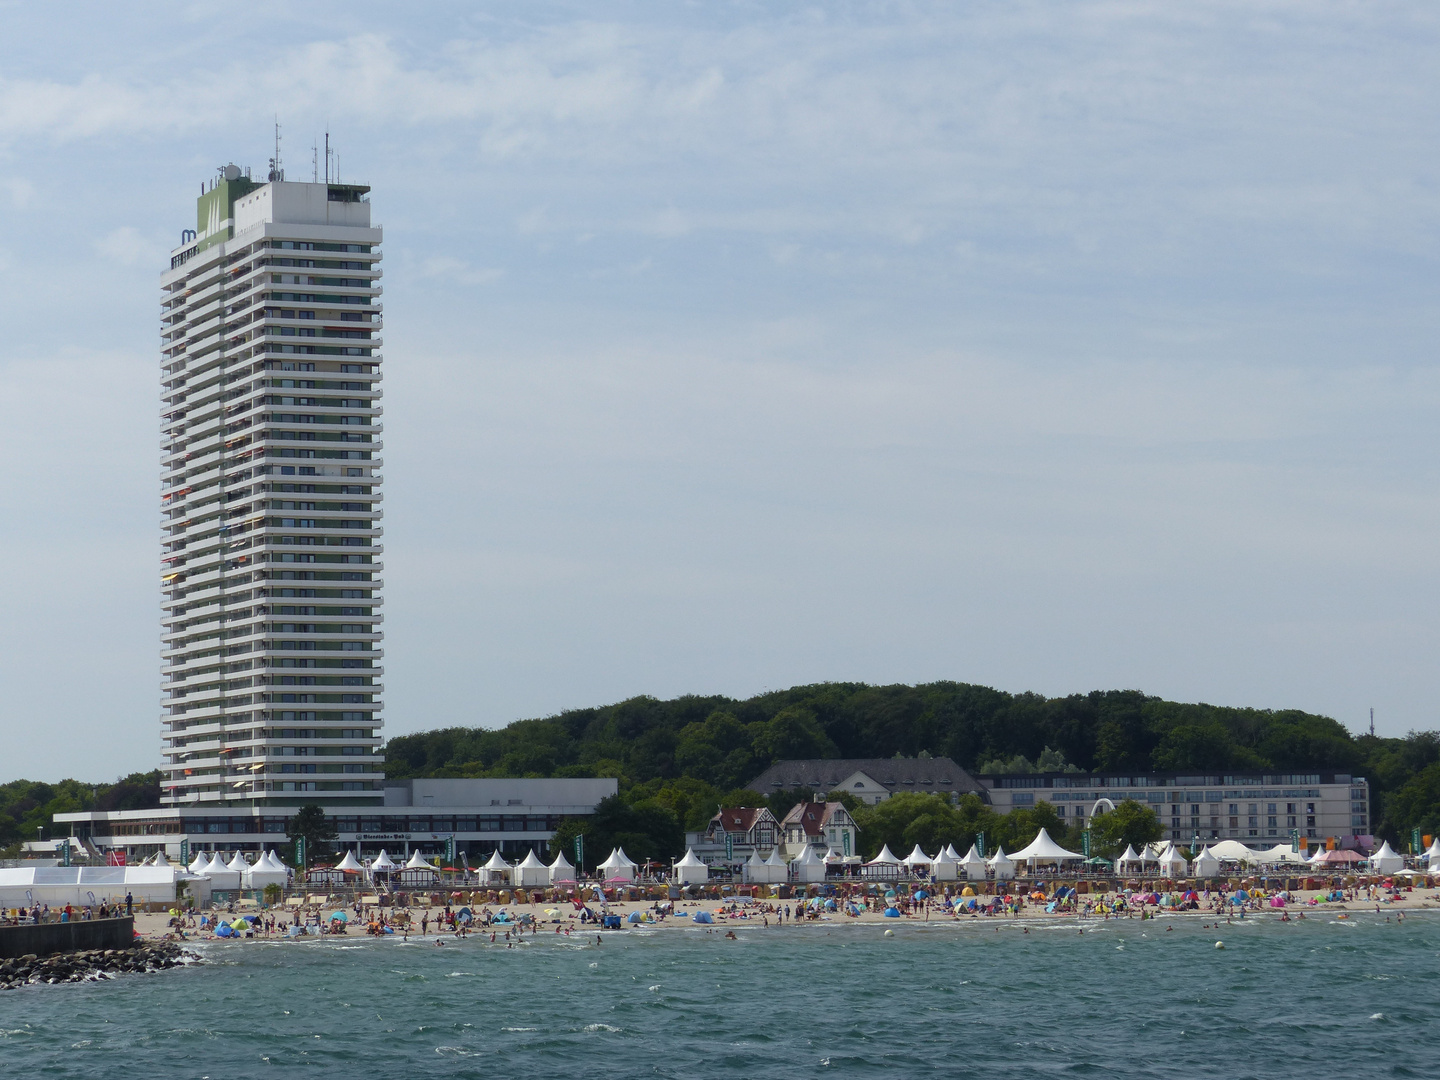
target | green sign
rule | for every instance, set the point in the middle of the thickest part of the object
(1085, 843)
(1414, 842)
(846, 834)
(580, 851)
(1295, 841)
(729, 847)
(185, 852)
(980, 844)
(300, 851)
(65, 853)
(450, 851)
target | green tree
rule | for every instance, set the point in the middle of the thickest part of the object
(311, 823)
(1129, 823)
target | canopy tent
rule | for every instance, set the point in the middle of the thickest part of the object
(973, 865)
(1338, 857)
(160, 859)
(22, 886)
(755, 869)
(1002, 865)
(560, 870)
(238, 864)
(944, 868)
(220, 876)
(831, 857)
(1433, 854)
(1280, 853)
(1150, 853)
(199, 863)
(352, 864)
(1129, 860)
(952, 853)
(1205, 865)
(496, 871)
(1172, 863)
(917, 857)
(1232, 851)
(530, 871)
(419, 862)
(691, 870)
(618, 866)
(267, 871)
(779, 870)
(1043, 849)
(809, 867)
(1386, 860)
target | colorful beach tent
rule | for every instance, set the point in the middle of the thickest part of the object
(691, 870)
(973, 865)
(561, 870)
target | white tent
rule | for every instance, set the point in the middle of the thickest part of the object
(349, 862)
(267, 871)
(530, 871)
(418, 862)
(1232, 851)
(952, 853)
(381, 864)
(1205, 865)
(973, 865)
(199, 863)
(160, 859)
(944, 867)
(221, 877)
(885, 861)
(779, 870)
(1280, 853)
(755, 869)
(1386, 860)
(561, 872)
(1127, 862)
(1433, 854)
(917, 857)
(618, 866)
(691, 870)
(82, 886)
(1001, 864)
(1172, 863)
(496, 871)
(238, 864)
(809, 867)
(831, 857)
(1044, 850)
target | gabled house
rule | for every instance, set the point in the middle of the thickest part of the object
(747, 830)
(823, 824)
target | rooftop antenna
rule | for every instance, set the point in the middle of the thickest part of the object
(314, 162)
(277, 171)
(1372, 722)
(327, 157)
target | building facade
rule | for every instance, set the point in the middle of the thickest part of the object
(1257, 809)
(826, 825)
(871, 780)
(415, 815)
(271, 499)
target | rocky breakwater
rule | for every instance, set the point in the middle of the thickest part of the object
(91, 964)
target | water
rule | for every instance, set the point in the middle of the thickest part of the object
(1124, 999)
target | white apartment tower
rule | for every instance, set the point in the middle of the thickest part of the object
(270, 498)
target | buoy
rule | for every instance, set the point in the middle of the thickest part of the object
(1219, 944)
(889, 933)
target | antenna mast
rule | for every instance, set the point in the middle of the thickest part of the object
(277, 171)
(327, 157)
(1372, 723)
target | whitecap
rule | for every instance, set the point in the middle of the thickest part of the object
(599, 1027)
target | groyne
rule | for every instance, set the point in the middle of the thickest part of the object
(48, 938)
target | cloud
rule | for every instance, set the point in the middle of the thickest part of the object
(451, 269)
(127, 247)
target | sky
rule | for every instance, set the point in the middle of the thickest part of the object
(736, 346)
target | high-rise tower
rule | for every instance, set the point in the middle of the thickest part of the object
(270, 474)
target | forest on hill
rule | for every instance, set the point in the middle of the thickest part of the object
(686, 756)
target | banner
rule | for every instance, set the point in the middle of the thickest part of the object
(1085, 843)
(580, 851)
(980, 844)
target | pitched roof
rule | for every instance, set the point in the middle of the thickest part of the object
(739, 818)
(896, 774)
(811, 816)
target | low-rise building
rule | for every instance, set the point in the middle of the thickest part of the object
(823, 824)
(512, 815)
(870, 780)
(733, 834)
(1257, 809)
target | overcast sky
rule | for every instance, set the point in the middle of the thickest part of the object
(728, 347)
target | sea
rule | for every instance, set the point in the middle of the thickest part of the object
(1310, 998)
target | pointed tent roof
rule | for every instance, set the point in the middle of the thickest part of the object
(830, 856)
(755, 859)
(809, 858)
(944, 856)
(199, 863)
(1045, 849)
(496, 862)
(349, 862)
(1129, 855)
(776, 860)
(972, 857)
(691, 859)
(1172, 858)
(1387, 859)
(1000, 858)
(1232, 851)
(160, 859)
(916, 857)
(885, 858)
(416, 862)
(561, 863)
(383, 864)
(530, 862)
(216, 865)
(1433, 851)
(617, 860)
(238, 863)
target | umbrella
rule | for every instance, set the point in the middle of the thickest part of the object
(892, 913)
(339, 915)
